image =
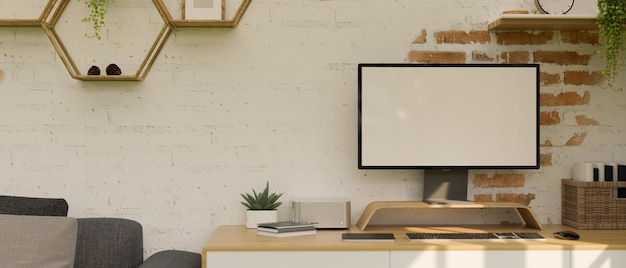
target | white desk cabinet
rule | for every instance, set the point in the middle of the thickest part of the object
(598, 259)
(236, 246)
(480, 259)
(298, 259)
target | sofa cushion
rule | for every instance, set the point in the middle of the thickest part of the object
(37, 241)
(19, 205)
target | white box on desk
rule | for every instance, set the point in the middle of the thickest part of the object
(326, 213)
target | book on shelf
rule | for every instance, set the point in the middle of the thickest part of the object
(286, 234)
(282, 225)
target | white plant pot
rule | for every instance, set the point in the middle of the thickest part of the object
(254, 217)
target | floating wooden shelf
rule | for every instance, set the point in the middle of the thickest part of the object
(233, 22)
(544, 22)
(527, 215)
(73, 69)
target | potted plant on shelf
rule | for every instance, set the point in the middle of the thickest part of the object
(261, 207)
(611, 18)
(98, 8)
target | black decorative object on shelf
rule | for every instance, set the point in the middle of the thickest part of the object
(94, 70)
(113, 69)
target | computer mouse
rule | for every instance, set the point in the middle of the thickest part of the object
(567, 235)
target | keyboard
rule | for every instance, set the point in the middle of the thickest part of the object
(441, 237)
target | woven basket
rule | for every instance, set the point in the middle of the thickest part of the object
(593, 205)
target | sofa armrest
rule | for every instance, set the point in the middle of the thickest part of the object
(173, 258)
(109, 242)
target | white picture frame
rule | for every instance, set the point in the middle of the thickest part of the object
(203, 9)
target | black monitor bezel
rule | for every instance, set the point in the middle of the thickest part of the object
(469, 65)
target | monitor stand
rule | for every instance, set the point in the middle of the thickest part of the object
(445, 189)
(378, 206)
(445, 186)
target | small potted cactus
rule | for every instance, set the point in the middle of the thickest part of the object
(261, 207)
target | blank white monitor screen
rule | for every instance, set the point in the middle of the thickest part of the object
(448, 116)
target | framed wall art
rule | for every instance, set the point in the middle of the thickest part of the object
(203, 9)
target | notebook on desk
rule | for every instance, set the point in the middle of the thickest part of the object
(286, 229)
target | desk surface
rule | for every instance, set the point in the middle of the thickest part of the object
(238, 238)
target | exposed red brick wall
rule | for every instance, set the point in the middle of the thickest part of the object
(564, 99)
(524, 199)
(421, 39)
(577, 139)
(579, 37)
(513, 57)
(483, 198)
(517, 198)
(582, 120)
(461, 37)
(549, 79)
(545, 160)
(482, 56)
(547, 143)
(583, 78)
(561, 57)
(549, 118)
(565, 80)
(437, 56)
(499, 180)
(524, 38)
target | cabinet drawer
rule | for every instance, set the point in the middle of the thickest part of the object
(480, 259)
(598, 258)
(297, 259)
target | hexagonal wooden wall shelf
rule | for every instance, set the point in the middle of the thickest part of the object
(232, 22)
(27, 20)
(53, 10)
(51, 29)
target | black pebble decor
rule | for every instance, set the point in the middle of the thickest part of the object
(113, 69)
(94, 70)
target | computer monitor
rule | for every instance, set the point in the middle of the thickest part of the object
(447, 119)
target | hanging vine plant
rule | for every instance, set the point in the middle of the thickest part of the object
(611, 19)
(99, 9)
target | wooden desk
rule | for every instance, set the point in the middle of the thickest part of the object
(235, 246)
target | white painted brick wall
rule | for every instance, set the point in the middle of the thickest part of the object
(224, 110)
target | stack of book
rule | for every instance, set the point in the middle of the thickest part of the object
(285, 229)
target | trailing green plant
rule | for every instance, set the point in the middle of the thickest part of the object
(263, 200)
(611, 18)
(99, 9)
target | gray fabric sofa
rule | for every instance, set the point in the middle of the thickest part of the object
(102, 242)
